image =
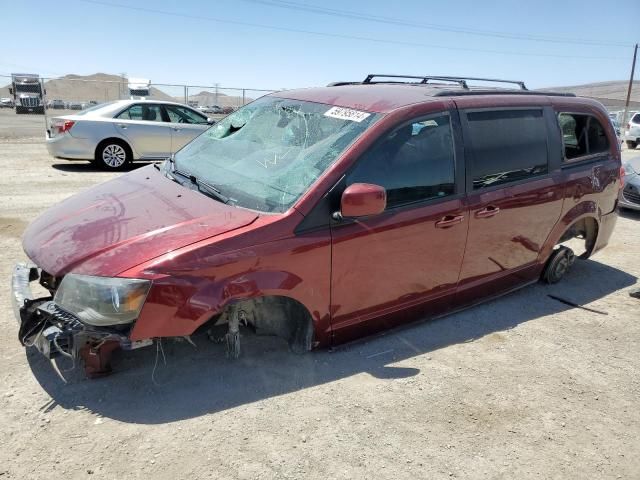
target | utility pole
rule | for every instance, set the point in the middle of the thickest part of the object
(216, 98)
(626, 104)
(122, 92)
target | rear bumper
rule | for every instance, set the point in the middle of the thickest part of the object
(605, 229)
(24, 109)
(67, 146)
(632, 134)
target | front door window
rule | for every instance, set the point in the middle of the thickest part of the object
(413, 163)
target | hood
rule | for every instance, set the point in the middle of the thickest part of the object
(124, 222)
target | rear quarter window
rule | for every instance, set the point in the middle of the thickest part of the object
(582, 135)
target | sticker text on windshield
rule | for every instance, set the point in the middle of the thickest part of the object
(346, 114)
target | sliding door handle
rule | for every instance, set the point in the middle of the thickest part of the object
(487, 212)
(449, 221)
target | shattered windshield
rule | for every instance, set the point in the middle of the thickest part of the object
(266, 155)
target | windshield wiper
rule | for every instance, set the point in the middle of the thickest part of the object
(167, 172)
(202, 186)
(209, 189)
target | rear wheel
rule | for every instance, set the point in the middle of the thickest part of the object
(558, 264)
(113, 155)
(631, 145)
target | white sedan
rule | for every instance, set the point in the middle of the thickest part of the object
(116, 133)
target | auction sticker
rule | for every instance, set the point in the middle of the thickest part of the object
(346, 114)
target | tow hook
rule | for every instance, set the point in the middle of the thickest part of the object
(97, 358)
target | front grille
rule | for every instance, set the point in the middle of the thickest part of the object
(631, 196)
(29, 101)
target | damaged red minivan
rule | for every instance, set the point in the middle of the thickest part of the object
(324, 214)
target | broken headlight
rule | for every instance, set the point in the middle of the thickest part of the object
(102, 301)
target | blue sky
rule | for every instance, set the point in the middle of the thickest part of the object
(187, 45)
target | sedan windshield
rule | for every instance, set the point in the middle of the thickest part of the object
(267, 154)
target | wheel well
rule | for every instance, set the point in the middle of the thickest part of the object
(114, 140)
(275, 315)
(581, 236)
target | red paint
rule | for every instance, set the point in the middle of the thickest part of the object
(392, 262)
(362, 199)
(354, 277)
(123, 222)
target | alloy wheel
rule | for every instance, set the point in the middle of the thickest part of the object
(114, 155)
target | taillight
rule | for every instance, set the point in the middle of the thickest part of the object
(629, 126)
(66, 126)
(622, 173)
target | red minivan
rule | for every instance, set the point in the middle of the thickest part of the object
(324, 214)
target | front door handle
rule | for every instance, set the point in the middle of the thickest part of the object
(177, 129)
(487, 212)
(123, 126)
(449, 221)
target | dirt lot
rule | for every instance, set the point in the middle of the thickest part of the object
(521, 387)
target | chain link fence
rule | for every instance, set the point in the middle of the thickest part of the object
(28, 102)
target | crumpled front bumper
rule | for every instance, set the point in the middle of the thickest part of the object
(56, 332)
(36, 327)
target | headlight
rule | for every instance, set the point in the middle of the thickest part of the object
(102, 301)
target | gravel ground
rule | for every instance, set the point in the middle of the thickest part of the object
(521, 387)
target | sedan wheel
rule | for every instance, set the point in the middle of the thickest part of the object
(113, 155)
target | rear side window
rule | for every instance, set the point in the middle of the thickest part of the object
(582, 135)
(508, 145)
(636, 118)
(149, 113)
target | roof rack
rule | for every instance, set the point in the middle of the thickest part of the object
(462, 81)
(462, 93)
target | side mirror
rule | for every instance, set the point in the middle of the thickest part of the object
(362, 199)
(10, 91)
(210, 121)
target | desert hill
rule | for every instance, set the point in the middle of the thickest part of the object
(611, 94)
(103, 87)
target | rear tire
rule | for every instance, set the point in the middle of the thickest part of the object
(113, 154)
(631, 145)
(558, 265)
